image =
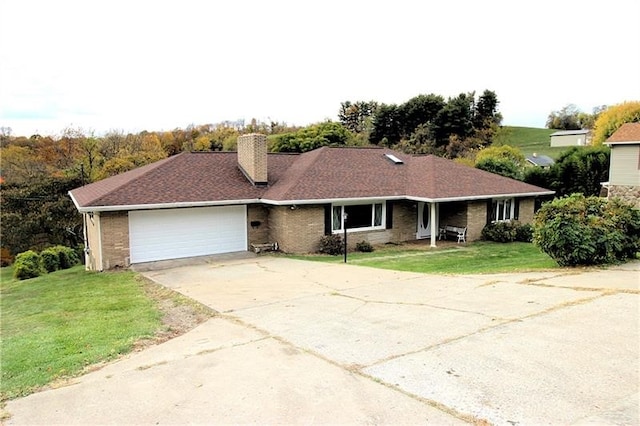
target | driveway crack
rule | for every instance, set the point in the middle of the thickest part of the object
(427, 305)
(488, 328)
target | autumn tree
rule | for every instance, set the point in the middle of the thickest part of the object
(328, 133)
(130, 151)
(612, 118)
(571, 118)
(504, 160)
(356, 117)
(20, 164)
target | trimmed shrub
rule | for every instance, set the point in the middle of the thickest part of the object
(50, 259)
(364, 247)
(579, 230)
(507, 232)
(500, 232)
(331, 244)
(524, 233)
(28, 264)
(67, 257)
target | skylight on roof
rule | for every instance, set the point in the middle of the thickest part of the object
(393, 158)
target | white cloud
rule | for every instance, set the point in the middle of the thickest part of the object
(156, 65)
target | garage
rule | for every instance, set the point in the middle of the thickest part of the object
(187, 232)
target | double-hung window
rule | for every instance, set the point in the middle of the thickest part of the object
(361, 217)
(502, 209)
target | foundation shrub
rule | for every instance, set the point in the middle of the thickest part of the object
(331, 244)
(364, 247)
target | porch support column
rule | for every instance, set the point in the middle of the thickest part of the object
(435, 226)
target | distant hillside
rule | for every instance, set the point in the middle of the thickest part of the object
(529, 140)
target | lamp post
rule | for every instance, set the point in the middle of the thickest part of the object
(344, 229)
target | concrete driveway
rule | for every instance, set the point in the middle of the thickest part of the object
(304, 342)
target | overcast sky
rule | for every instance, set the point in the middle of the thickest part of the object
(137, 65)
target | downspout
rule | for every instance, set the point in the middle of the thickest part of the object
(86, 241)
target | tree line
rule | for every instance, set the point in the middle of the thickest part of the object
(37, 172)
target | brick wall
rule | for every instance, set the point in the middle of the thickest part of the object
(252, 156)
(526, 211)
(628, 193)
(297, 230)
(476, 219)
(405, 221)
(258, 234)
(114, 227)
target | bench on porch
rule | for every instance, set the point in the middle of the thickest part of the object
(457, 232)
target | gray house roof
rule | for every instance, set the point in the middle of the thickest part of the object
(540, 160)
(570, 132)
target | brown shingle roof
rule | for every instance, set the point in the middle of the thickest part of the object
(627, 133)
(323, 174)
(184, 178)
(334, 173)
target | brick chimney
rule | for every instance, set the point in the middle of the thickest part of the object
(252, 157)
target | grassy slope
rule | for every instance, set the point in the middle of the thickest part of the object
(530, 140)
(55, 325)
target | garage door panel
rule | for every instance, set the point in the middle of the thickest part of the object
(177, 233)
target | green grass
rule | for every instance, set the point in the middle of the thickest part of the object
(472, 258)
(55, 325)
(530, 140)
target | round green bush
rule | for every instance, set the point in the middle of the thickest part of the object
(524, 233)
(67, 257)
(50, 259)
(27, 265)
(578, 230)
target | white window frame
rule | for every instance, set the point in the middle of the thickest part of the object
(503, 209)
(336, 228)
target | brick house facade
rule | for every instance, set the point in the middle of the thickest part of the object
(220, 202)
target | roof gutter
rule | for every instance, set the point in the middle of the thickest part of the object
(88, 209)
(404, 197)
(297, 202)
(480, 197)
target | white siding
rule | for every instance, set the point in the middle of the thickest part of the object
(569, 140)
(625, 165)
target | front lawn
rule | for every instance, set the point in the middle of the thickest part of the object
(55, 325)
(471, 258)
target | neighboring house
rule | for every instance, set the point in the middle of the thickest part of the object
(571, 138)
(624, 168)
(538, 160)
(203, 203)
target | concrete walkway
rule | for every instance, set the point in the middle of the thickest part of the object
(305, 342)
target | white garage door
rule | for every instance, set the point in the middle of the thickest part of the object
(177, 233)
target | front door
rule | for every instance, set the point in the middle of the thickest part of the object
(425, 220)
